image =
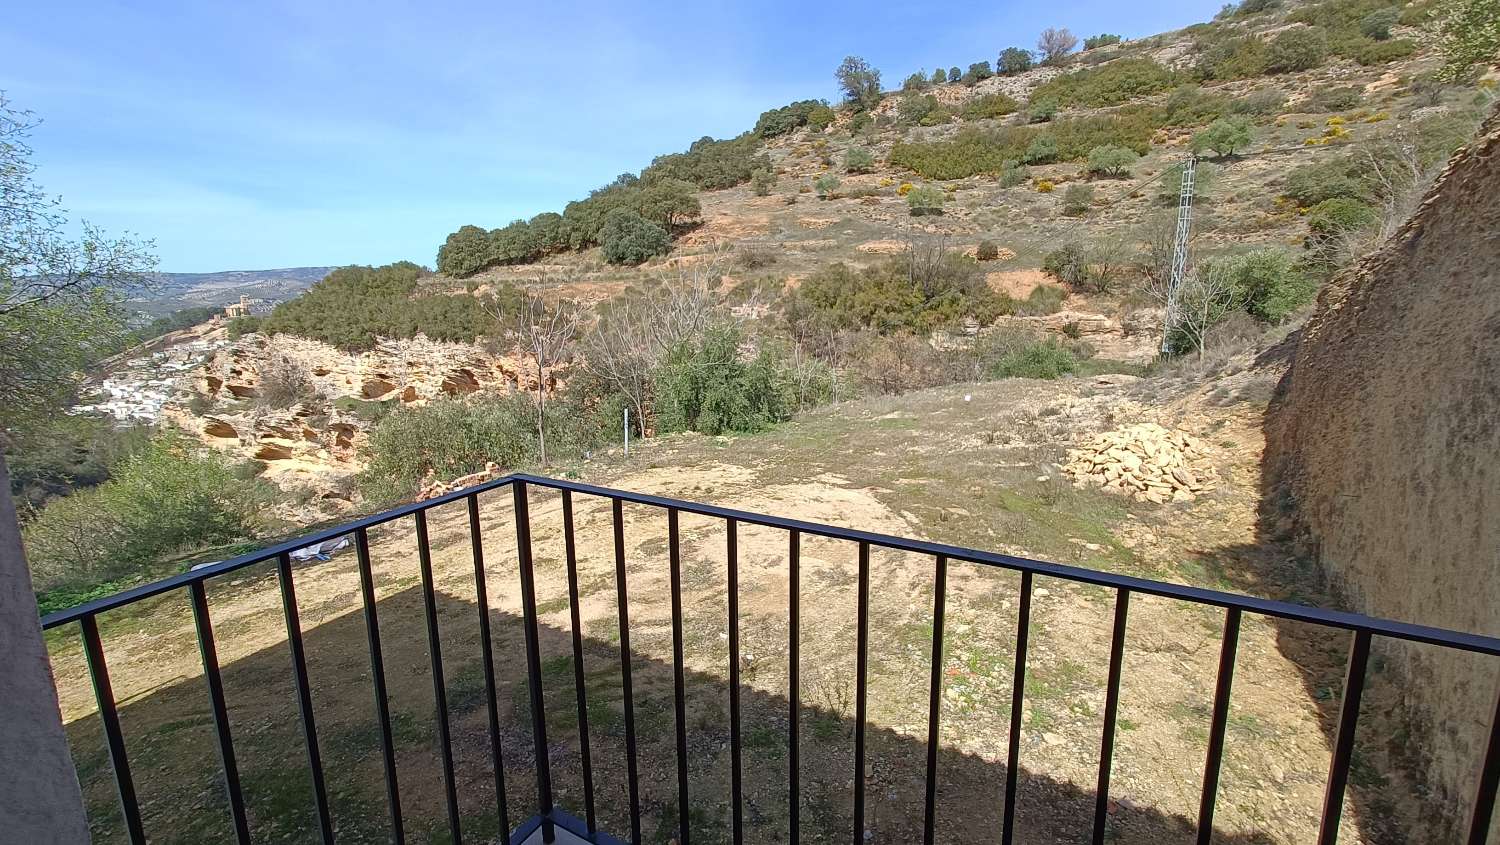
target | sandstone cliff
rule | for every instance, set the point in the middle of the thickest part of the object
(1384, 444)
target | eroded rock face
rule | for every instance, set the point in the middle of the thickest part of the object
(1383, 433)
(219, 428)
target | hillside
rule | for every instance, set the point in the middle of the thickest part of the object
(176, 291)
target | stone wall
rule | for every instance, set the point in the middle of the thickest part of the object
(1384, 440)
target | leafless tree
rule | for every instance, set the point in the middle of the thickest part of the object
(1205, 296)
(1055, 44)
(635, 331)
(545, 332)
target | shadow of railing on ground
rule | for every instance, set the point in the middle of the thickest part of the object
(171, 740)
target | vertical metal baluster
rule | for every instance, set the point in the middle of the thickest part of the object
(861, 660)
(1343, 745)
(1111, 712)
(1216, 729)
(304, 694)
(486, 650)
(735, 771)
(1017, 701)
(679, 683)
(104, 694)
(210, 654)
(935, 693)
(627, 689)
(439, 685)
(533, 659)
(1489, 778)
(377, 672)
(794, 713)
(580, 688)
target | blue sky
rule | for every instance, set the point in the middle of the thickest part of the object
(277, 134)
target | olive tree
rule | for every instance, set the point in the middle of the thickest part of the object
(859, 81)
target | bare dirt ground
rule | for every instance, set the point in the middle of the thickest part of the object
(981, 472)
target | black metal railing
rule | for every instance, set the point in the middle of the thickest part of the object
(1362, 631)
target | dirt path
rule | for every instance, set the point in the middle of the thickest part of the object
(980, 472)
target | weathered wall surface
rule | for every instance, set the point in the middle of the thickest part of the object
(1385, 436)
(39, 797)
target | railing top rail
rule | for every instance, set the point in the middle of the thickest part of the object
(223, 567)
(1268, 607)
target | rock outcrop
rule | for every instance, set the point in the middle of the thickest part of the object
(1382, 443)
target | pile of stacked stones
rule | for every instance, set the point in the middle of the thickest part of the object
(1146, 461)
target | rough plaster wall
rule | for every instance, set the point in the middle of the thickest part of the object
(39, 796)
(1385, 436)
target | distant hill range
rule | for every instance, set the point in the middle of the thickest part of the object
(176, 291)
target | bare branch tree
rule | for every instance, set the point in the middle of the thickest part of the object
(635, 331)
(1055, 44)
(545, 333)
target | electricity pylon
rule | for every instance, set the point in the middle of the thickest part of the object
(1179, 250)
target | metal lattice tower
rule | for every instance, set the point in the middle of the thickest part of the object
(1179, 249)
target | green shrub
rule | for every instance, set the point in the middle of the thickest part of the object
(1092, 268)
(1041, 150)
(1022, 355)
(1471, 36)
(826, 185)
(901, 294)
(1013, 60)
(1041, 110)
(939, 76)
(1232, 57)
(787, 118)
(1381, 52)
(986, 251)
(1102, 40)
(1111, 84)
(858, 160)
(1268, 282)
(353, 306)
(704, 386)
(1224, 136)
(990, 106)
(68, 452)
(1377, 24)
(1338, 215)
(241, 326)
(916, 82)
(1077, 198)
(628, 238)
(1112, 161)
(1303, 48)
(762, 181)
(821, 117)
(1262, 102)
(1169, 187)
(925, 199)
(1012, 174)
(1043, 300)
(159, 501)
(921, 110)
(1189, 105)
(1310, 184)
(1331, 99)
(977, 72)
(711, 164)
